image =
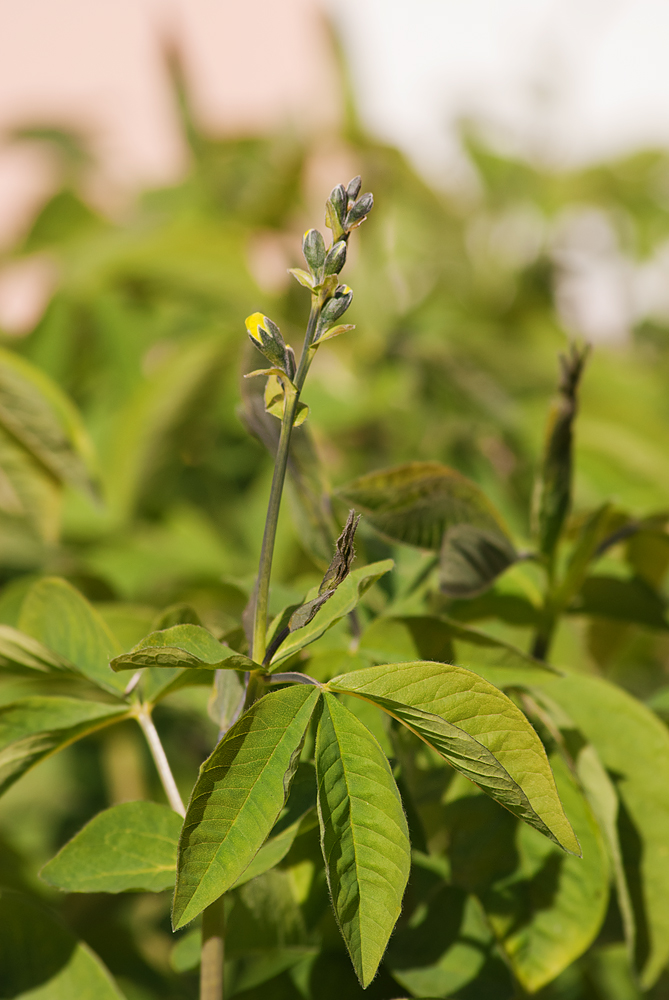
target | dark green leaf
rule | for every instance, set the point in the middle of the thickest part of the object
(238, 796)
(471, 558)
(130, 846)
(364, 835)
(622, 600)
(60, 617)
(469, 702)
(42, 960)
(418, 502)
(34, 728)
(413, 637)
(550, 909)
(433, 507)
(633, 746)
(440, 965)
(276, 848)
(344, 600)
(182, 646)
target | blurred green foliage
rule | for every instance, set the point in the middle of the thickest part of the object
(454, 359)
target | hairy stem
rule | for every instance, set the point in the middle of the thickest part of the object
(213, 951)
(278, 479)
(160, 759)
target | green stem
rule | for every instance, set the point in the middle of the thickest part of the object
(278, 479)
(543, 636)
(143, 716)
(213, 951)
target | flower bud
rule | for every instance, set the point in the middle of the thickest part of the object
(335, 307)
(353, 189)
(313, 248)
(339, 200)
(266, 336)
(360, 210)
(336, 258)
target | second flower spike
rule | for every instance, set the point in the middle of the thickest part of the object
(266, 336)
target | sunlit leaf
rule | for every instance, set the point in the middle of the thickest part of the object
(465, 754)
(34, 728)
(42, 960)
(469, 702)
(182, 646)
(238, 796)
(364, 835)
(344, 600)
(130, 846)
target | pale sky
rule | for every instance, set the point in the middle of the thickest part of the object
(565, 81)
(568, 80)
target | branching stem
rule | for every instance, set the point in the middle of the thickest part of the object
(144, 719)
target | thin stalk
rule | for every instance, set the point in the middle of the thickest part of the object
(543, 636)
(278, 479)
(213, 951)
(144, 719)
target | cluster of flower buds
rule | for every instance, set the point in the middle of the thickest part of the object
(345, 211)
(322, 264)
(266, 336)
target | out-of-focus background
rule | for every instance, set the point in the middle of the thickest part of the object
(159, 162)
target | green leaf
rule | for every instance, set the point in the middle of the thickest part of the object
(34, 728)
(27, 491)
(422, 637)
(418, 502)
(439, 965)
(472, 704)
(42, 960)
(364, 835)
(622, 600)
(344, 600)
(145, 431)
(21, 653)
(550, 909)
(132, 846)
(600, 524)
(182, 646)
(276, 848)
(43, 420)
(471, 558)
(633, 745)
(60, 617)
(239, 793)
(430, 506)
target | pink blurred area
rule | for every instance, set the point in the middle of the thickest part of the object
(99, 68)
